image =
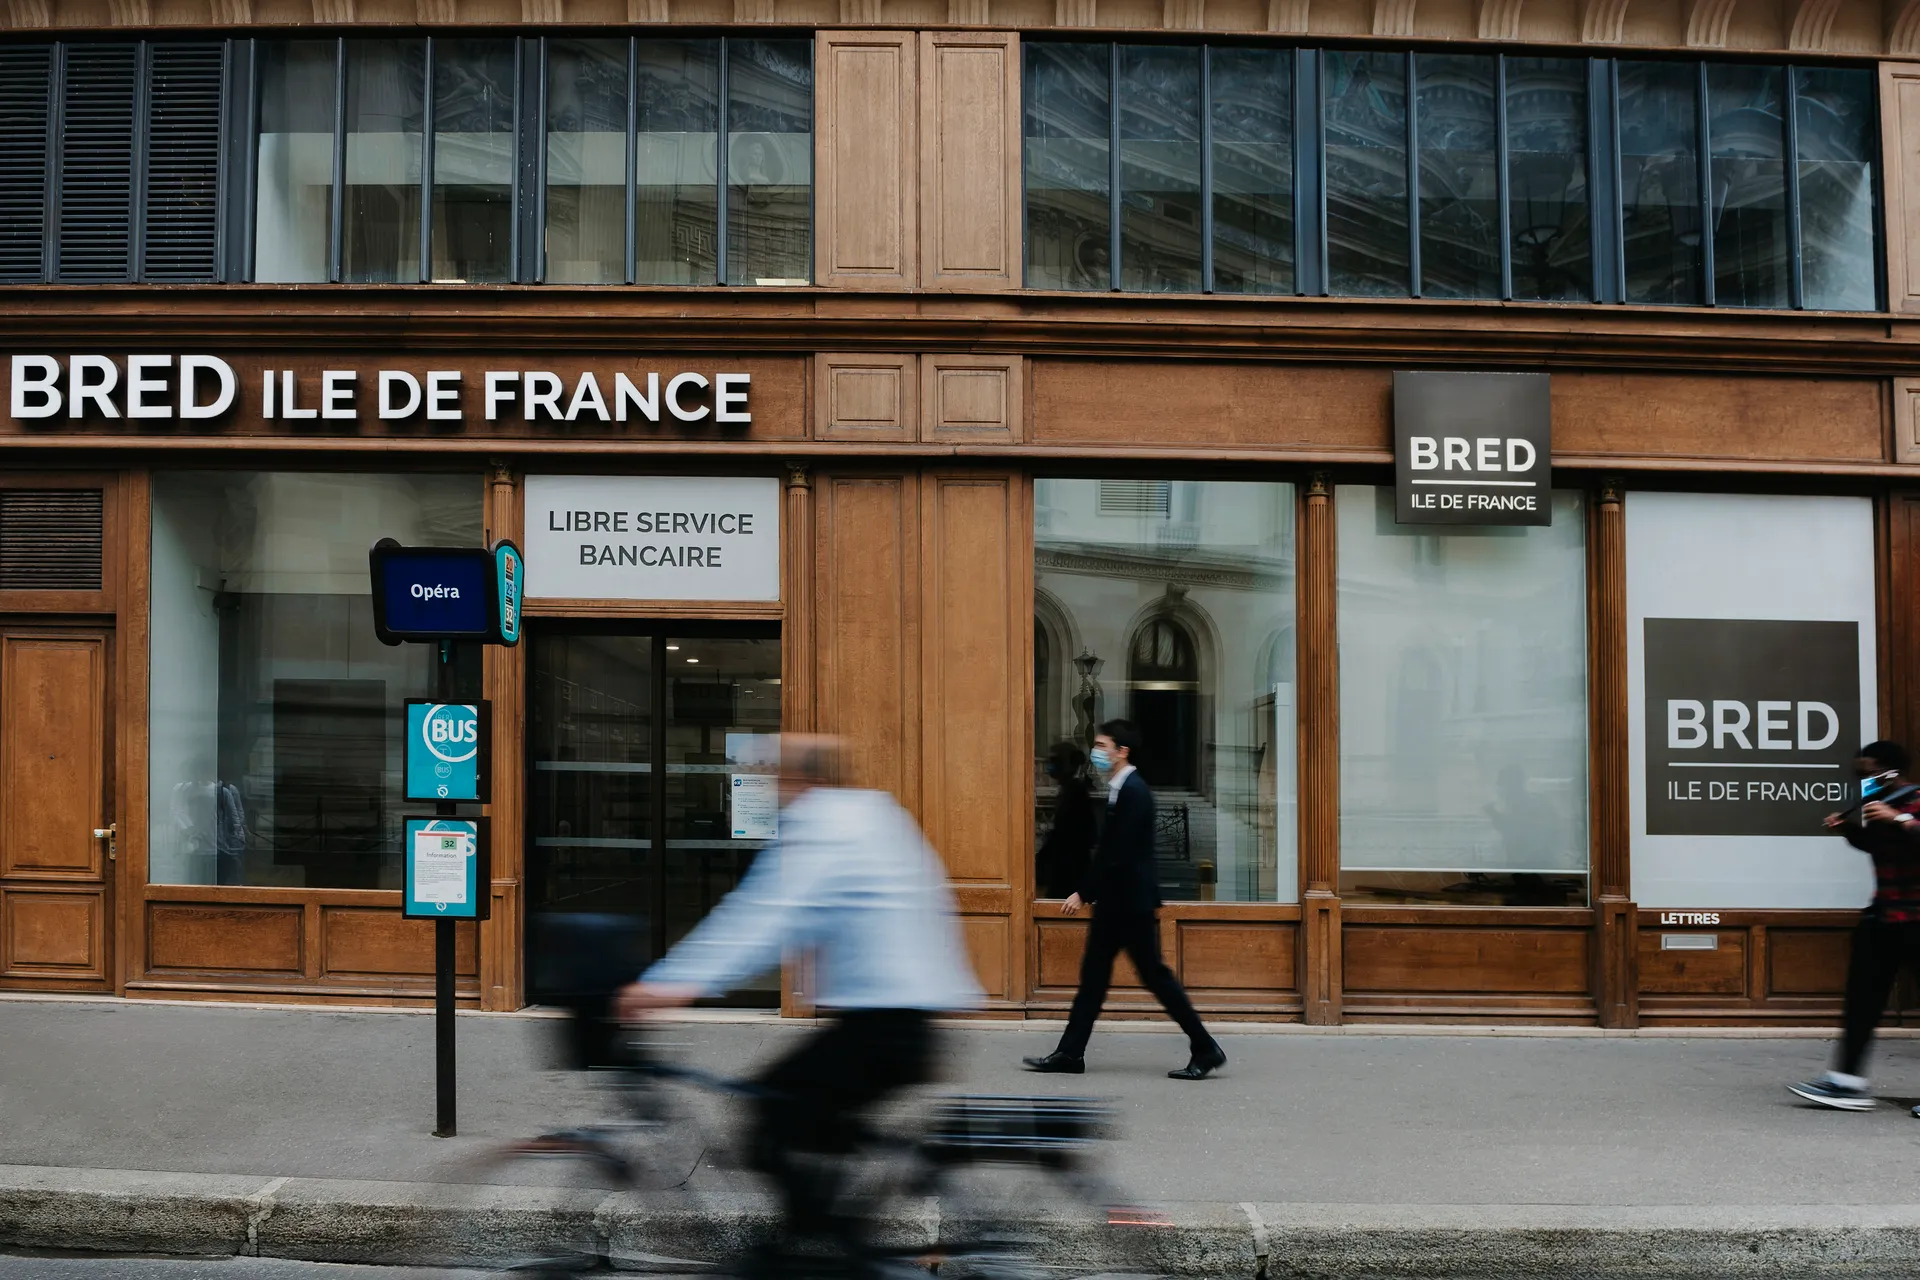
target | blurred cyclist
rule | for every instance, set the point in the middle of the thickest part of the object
(853, 882)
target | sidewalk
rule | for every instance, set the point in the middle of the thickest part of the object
(304, 1133)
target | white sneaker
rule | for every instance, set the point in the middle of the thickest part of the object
(1839, 1096)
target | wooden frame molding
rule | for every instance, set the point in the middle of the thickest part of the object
(970, 153)
(867, 208)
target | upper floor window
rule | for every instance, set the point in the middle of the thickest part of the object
(1370, 173)
(582, 161)
(110, 157)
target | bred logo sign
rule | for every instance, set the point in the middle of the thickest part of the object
(1751, 725)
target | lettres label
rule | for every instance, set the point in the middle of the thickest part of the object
(653, 537)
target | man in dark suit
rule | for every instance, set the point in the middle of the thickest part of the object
(1124, 887)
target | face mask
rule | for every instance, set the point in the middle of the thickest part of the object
(1101, 760)
(1872, 786)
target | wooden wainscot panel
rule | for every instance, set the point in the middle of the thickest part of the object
(1808, 962)
(227, 939)
(1461, 958)
(970, 159)
(868, 158)
(1721, 971)
(868, 690)
(972, 674)
(867, 397)
(1900, 149)
(52, 756)
(1256, 956)
(989, 946)
(1177, 404)
(1061, 944)
(1739, 418)
(1906, 420)
(52, 934)
(973, 399)
(369, 942)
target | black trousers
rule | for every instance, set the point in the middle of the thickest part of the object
(815, 1098)
(1880, 951)
(1139, 937)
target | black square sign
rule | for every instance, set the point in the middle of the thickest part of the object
(1472, 448)
(1752, 726)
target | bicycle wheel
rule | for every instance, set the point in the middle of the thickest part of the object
(1009, 1188)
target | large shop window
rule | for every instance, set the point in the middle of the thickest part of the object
(276, 718)
(573, 161)
(1463, 708)
(1377, 173)
(110, 161)
(1751, 684)
(1169, 603)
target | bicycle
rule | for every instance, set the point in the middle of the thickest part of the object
(993, 1187)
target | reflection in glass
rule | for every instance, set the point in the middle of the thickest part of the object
(473, 126)
(276, 718)
(628, 730)
(1171, 603)
(1746, 131)
(1365, 108)
(1463, 708)
(1251, 98)
(586, 202)
(723, 730)
(1160, 169)
(1660, 181)
(386, 80)
(676, 203)
(1067, 124)
(1837, 146)
(769, 161)
(293, 207)
(1547, 201)
(1459, 182)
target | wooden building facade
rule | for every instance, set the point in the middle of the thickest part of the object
(945, 438)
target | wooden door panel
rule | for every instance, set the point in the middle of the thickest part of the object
(52, 934)
(52, 756)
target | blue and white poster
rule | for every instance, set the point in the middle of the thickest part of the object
(446, 751)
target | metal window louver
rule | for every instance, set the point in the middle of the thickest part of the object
(96, 200)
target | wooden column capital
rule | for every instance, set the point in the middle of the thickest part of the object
(799, 475)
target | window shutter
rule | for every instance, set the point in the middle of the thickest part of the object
(26, 80)
(181, 238)
(96, 163)
(50, 539)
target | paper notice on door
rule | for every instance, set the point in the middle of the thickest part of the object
(756, 806)
(440, 866)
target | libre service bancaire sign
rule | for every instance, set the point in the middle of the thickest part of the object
(653, 537)
(1472, 448)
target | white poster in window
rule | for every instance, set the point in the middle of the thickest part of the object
(653, 538)
(756, 806)
(440, 867)
(1750, 685)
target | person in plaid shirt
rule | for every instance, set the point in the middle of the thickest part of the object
(1884, 827)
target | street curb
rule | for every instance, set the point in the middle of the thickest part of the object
(323, 1220)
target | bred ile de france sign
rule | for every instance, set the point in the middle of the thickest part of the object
(653, 537)
(1472, 448)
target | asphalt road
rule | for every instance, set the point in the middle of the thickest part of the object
(15, 1266)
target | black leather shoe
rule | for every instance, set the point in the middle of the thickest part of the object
(1201, 1065)
(1057, 1063)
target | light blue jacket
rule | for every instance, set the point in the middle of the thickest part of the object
(852, 881)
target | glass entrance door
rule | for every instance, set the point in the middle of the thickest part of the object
(651, 751)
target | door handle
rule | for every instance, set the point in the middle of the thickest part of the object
(111, 834)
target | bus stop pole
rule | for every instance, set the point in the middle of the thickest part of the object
(445, 1123)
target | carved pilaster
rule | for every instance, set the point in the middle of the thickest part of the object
(1319, 766)
(1616, 950)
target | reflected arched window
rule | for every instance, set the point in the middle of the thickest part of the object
(1163, 680)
